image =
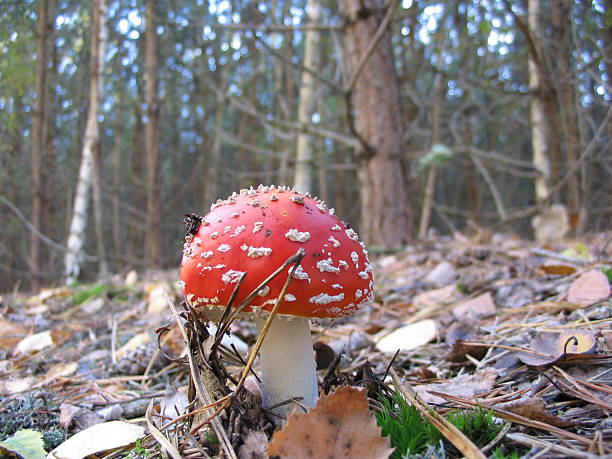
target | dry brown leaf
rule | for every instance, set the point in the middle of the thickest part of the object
(558, 269)
(465, 386)
(589, 288)
(339, 426)
(533, 408)
(551, 347)
(444, 295)
(10, 334)
(480, 306)
(61, 370)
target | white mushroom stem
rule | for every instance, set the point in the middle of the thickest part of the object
(288, 367)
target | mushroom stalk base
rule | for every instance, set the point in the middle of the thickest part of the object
(288, 367)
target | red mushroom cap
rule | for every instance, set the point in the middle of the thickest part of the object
(256, 231)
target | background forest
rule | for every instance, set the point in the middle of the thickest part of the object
(117, 117)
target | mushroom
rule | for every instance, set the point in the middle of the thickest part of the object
(255, 232)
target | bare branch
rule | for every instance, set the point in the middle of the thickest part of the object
(50, 242)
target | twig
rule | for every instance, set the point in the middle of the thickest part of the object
(528, 440)
(558, 256)
(160, 437)
(201, 391)
(50, 242)
(499, 202)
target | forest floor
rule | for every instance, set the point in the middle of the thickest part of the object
(520, 330)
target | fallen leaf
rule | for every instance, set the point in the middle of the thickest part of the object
(134, 342)
(443, 274)
(97, 439)
(558, 269)
(10, 334)
(465, 386)
(480, 306)
(551, 347)
(92, 306)
(26, 443)
(589, 288)
(408, 337)
(173, 403)
(533, 408)
(59, 371)
(444, 295)
(77, 419)
(35, 342)
(157, 301)
(340, 425)
(254, 446)
(14, 386)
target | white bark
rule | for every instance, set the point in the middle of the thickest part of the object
(288, 367)
(78, 223)
(539, 142)
(304, 175)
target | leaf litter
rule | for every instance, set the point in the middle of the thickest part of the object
(520, 329)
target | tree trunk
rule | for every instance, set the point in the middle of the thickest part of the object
(539, 137)
(38, 133)
(386, 214)
(78, 222)
(304, 167)
(430, 184)
(566, 82)
(116, 194)
(153, 230)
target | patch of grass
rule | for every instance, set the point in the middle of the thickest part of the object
(607, 270)
(86, 292)
(412, 434)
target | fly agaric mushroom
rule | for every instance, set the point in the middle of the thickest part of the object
(255, 232)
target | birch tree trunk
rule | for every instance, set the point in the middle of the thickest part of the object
(539, 138)
(386, 213)
(153, 230)
(78, 222)
(304, 167)
(38, 132)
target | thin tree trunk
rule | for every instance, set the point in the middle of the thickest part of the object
(116, 194)
(78, 222)
(567, 100)
(153, 231)
(430, 184)
(386, 214)
(539, 137)
(97, 212)
(38, 133)
(211, 187)
(304, 167)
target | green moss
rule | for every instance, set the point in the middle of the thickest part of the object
(84, 293)
(411, 434)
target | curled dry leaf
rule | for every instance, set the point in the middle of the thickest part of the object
(589, 288)
(465, 386)
(552, 347)
(340, 426)
(533, 408)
